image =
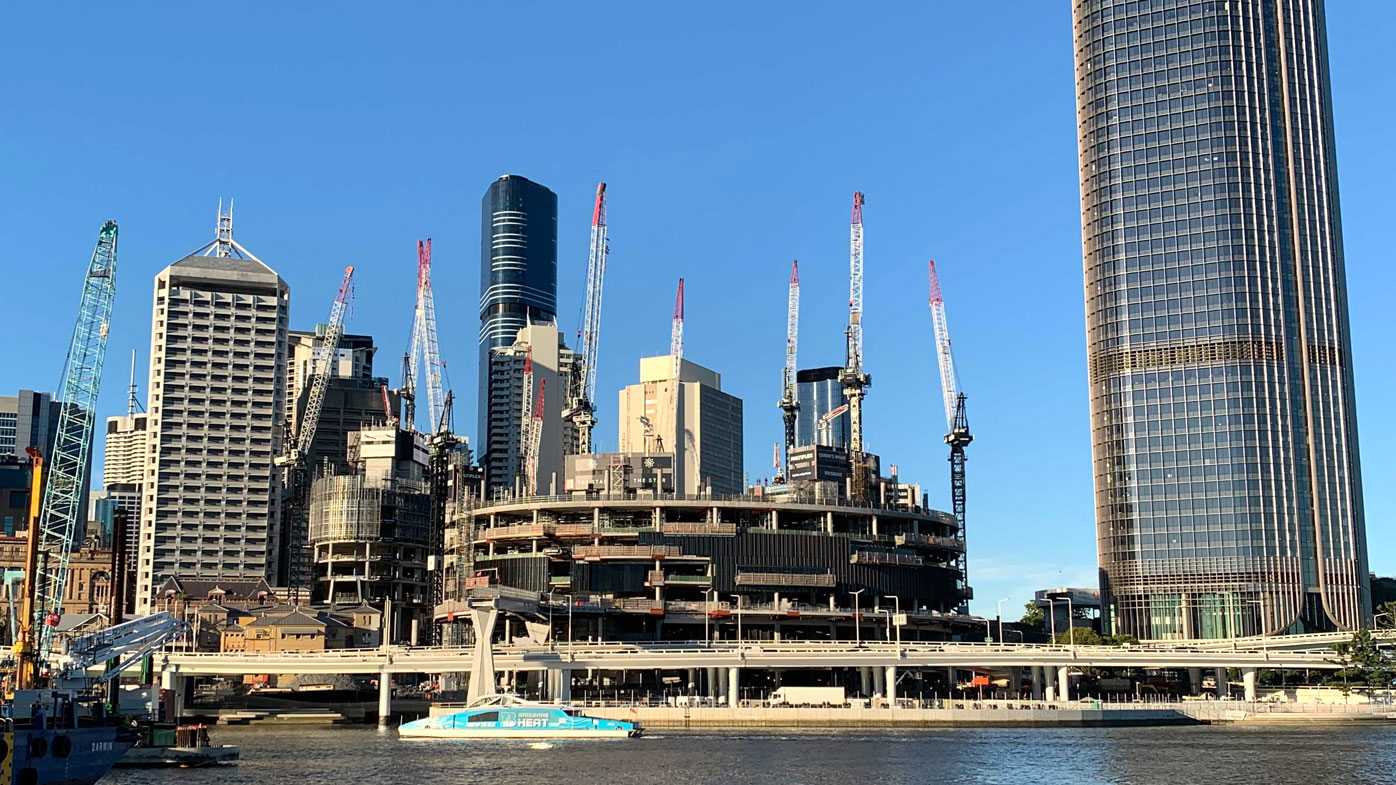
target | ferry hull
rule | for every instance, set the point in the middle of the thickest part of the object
(87, 754)
(516, 733)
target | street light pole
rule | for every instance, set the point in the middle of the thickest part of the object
(738, 598)
(999, 612)
(711, 595)
(898, 601)
(1052, 617)
(857, 619)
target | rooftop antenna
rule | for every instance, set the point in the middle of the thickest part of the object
(132, 402)
(223, 245)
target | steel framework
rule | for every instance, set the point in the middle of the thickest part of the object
(425, 353)
(61, 517)
(855, 382)
(957, 433)
(581, 403)
(789, 403)
(676, 333)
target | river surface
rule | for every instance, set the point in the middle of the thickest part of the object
(1215, 755)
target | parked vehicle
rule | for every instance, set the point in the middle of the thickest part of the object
(809, 696)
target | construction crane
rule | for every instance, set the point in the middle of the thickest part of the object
(676, 334)
(851, 376)
(526, 424)
(957, 433)
(826, 423)
(298, 458)
(789, 404)
(61, 519)
(581, 399)
(425, 354)
(535, 439)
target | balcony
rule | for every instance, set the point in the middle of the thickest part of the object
(573, 530)
(689, 580)
(880, 557)
(718, 529)
(818, 580)
(931, 541)
(528, 531)
(600, 552)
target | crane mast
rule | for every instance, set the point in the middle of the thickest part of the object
(581, 404)
(424, 333)
(61, 518)
(789, 404)
(957, 434)
(297, 519)
(535, 439)
(526, 424)
(854, 381)
(676, 334)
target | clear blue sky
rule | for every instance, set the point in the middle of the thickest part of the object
(732, 140)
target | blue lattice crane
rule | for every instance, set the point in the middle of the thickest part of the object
(61, 517)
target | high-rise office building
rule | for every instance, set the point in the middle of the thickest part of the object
(30, 419)
(217, 396)
(553, 366)
(819, 392)
(518, 274)
(689, 416)
(123, 470)
(1228, 492)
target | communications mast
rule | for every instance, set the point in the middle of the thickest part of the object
(580, 406)
(851, 376)
(957, 433)
(789, 404)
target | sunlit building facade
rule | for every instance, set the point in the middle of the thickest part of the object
(1228, 491)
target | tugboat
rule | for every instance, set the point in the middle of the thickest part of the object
(56, 737)
(511, 717)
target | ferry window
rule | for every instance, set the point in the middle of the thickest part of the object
(485, 716)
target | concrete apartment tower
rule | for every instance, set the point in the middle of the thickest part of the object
(689, 416)
(553, 365)
(1224, 427)
(518, 284)
(123, 469)
(216, 398)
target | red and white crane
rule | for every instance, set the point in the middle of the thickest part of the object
(581, 403)
(855, 382)
(826, 424)
(789, 403)
(535, 440)
(676, 333)
(526, 423)
(957, 433)
(424, 358)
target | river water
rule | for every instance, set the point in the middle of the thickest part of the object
(1215, 755)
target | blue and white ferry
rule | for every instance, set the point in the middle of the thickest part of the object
(511, 717)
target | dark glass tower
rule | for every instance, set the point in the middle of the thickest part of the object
(518, 273)
(818, 392)
(1228, 491)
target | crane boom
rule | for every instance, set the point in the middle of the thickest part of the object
(526, 422)
(789, 402)
(676, 334)
(319, 373)
(949, 385)
(581, 406)
(61, 518)
(535, 437)
(855, 381)
(426, 316)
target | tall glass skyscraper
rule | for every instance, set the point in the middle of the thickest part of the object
(518, 273)
(1228, 491)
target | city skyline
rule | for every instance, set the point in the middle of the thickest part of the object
(711, 247)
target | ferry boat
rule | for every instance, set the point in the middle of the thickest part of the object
(511, 717)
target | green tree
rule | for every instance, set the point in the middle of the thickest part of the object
(1082, 636)
(1033, 616)
(1386, 615)
(1360, 663)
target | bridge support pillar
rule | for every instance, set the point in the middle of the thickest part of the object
(864, 680)
(712, 684)
(691, 683)
(1037, 682)
(482, 676)
(1051, 674)
(1248, 679)
(952, 680)
(385, 697)
(1223, 687)
(1195, 680)
(564, 685)
(879, 677)
(734, 686)
(1015, 681)
(1064, 682)
(891, 680)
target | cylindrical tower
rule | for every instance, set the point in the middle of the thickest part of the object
(1228, 491)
